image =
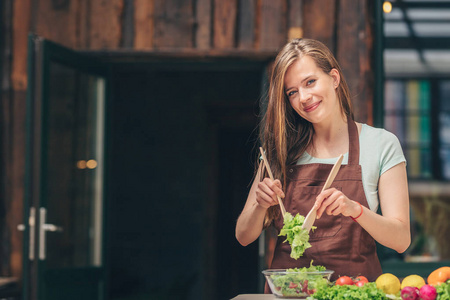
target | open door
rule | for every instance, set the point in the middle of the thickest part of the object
(64, 190)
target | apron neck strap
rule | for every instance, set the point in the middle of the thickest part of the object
(353, 153)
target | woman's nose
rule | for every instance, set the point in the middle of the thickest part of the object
(304, 96)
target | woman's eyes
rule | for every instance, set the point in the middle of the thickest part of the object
(310, 82)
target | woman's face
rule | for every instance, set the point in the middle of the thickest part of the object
(311, 92)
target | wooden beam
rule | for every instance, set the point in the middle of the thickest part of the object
(295, 19)
(368, 61)
(174, 23)
(82, 34)
(273, 24)
(225, 16)
(319, 21)
(181, 54)
(203, 31)
(246, 24)
(57, 23)
(143, 24)
(354, 53)
(105, 25)
(21, 26)
(14, 212)
(347, 47)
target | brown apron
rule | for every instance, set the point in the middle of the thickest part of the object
(339, 243)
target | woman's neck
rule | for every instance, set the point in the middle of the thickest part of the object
(330, 138)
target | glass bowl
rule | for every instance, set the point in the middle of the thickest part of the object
(296, 284)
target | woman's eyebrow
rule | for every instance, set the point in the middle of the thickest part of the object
(301, 82)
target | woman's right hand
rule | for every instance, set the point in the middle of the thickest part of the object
(267, 191)
(262, 195)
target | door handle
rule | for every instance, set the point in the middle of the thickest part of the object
(31, 226)
(53, 228)
(43, 228)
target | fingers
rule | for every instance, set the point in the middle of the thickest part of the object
(321, 198)
(332, 202)
(272, 188)
(264, 200)
(267, 192)
(336, 204)
(278, 188)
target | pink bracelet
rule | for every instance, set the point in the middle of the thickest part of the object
(354, 219)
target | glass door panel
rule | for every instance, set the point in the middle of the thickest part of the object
(74, 168)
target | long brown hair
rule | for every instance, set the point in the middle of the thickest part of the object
(284, 134)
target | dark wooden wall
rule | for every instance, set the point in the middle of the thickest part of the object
(205, 27)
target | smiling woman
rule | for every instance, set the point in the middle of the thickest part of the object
(308, 124)
(308, 87)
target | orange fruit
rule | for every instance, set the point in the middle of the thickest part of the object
(439, 276)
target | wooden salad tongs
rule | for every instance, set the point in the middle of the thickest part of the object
(312, 215)
(283, 210)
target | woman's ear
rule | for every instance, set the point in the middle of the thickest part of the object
(336, 77)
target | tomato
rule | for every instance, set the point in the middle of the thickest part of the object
(305, 286)
(360, 283)
(361, 279)
(344, 280)
(292, 285)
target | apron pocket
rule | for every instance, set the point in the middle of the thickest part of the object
(303, 200)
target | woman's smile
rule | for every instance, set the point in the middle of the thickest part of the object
(312, 107)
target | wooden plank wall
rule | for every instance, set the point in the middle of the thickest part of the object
(173, 26)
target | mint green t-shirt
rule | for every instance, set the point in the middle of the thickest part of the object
(380, 150)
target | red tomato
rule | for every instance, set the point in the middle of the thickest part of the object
(360, 283)
(305, 286)
(361, 279)
(344, 280)
(292, 285)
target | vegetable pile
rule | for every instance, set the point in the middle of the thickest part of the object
(359, 288)
(297, 283)
(297, 237)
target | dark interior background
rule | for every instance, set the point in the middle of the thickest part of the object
(182, 154)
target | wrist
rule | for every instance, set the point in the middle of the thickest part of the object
(358, 211)
(260, 208)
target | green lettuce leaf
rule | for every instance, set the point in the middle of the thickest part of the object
(349, 292)
(297, 237)
(443, 291)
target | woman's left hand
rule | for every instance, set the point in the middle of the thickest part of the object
(334, 202)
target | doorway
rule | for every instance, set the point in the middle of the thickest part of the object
(182, 139)
(64, 201)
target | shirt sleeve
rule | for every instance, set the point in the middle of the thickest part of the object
(391, 152)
